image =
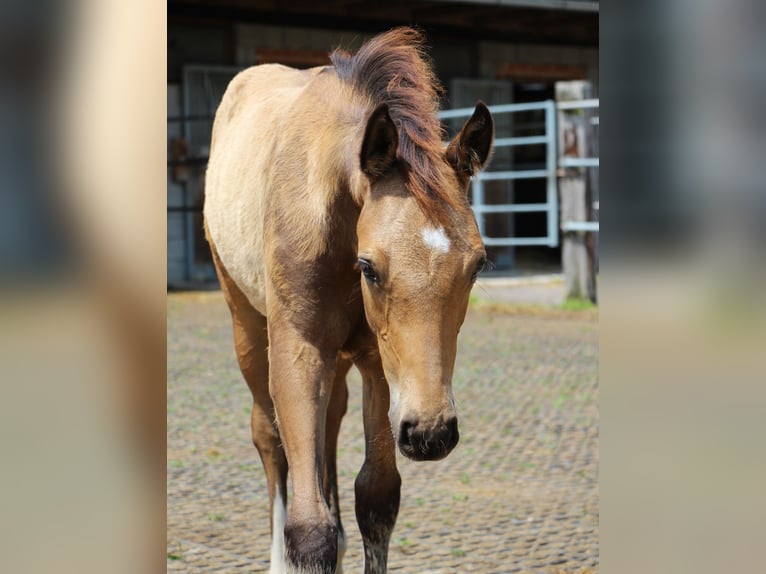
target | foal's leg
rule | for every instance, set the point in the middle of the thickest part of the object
(252, 351)
(378, 484)
(301, 379)
(335, 413)
(251, 344)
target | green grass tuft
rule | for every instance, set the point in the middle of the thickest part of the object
(575, 304)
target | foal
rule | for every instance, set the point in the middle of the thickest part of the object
(342, 235)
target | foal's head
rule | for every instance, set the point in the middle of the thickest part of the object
(419, 258)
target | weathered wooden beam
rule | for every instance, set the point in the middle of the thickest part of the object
(574, 135)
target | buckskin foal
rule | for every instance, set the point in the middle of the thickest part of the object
(342, 235)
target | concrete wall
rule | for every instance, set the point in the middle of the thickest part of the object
(249, 37)
(492, 53)
(193, 44)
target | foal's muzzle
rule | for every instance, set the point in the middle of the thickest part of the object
(420, 442)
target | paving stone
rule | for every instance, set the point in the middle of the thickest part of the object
(518, 494)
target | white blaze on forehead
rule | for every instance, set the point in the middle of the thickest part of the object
(436, 239)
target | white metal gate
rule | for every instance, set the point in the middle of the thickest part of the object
(548, 173)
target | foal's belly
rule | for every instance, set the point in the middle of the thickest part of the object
(235, 225)
(240, 250)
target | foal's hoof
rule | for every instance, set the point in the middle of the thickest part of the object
(311, 548)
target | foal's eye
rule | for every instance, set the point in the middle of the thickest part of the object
(368, 271)
(479, 268)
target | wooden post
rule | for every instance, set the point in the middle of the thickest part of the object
(577, 253)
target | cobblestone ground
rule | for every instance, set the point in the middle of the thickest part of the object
(518, 494)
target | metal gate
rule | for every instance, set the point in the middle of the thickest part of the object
(550, 207)
(548, 173)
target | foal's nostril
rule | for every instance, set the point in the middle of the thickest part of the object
(406, 430)
(421, 442)
(453, 435)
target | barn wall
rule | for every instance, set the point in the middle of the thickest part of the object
(249, 37)
(176, 241)
(492, 53)
(452, 59)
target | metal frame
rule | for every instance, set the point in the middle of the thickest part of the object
(551, 239)
(193, 269)
(552, 163)
(206, 70)
(585, 162)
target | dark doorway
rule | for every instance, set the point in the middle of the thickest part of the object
(532, 224)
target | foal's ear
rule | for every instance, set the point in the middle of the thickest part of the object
(380, 143)
(469, 151)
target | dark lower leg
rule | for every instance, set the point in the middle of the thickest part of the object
(335, 413)
(377, 486)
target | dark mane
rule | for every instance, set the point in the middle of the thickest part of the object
(393, 68)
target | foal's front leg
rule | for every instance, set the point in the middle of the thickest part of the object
(378, 484)
(301, 377)
(335, 412)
